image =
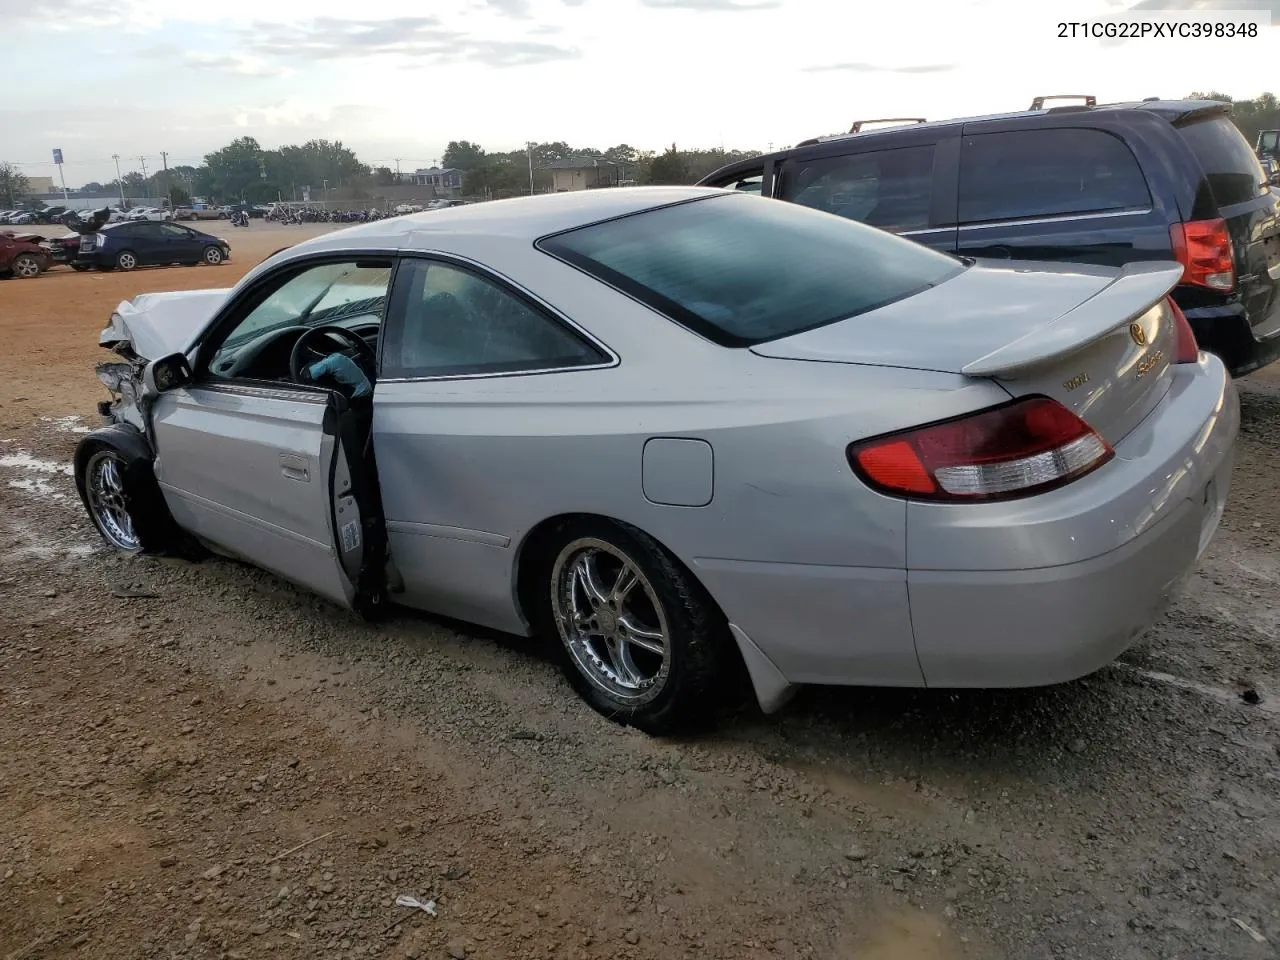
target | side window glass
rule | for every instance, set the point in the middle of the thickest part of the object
(753, 184)
(345, 294)
(1047, 173)
(169, 230)
(889, 189)
(448, 321)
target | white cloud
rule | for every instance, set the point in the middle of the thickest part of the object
(236, 63)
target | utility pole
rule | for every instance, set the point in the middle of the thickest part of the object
(529, 145)
(397, 169)
(164, 158)
(119, 181)
(143, 161)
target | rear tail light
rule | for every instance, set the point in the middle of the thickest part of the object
(1014, 450)
(1188, 351)
(1203, 247)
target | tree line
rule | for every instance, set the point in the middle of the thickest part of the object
(244, 171)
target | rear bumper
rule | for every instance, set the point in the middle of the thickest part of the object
(1034, 624)
(1226, 333)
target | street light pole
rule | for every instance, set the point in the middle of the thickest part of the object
(119, 181)
(529, 144)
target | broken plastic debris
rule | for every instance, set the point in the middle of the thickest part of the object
(1254, 934)
(404, 900)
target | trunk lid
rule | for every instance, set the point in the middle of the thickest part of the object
(1096, 339)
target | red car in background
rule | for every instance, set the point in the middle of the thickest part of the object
(21, 255)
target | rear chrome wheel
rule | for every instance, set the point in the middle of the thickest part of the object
(126, 260)
(108, 501)
(639, 638)
(611, 620)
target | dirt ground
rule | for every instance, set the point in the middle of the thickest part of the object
(199, 761)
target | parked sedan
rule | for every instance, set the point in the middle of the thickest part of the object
(125, 246)
(21, 255)
(678, 431)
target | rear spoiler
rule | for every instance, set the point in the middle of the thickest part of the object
(1138, 287)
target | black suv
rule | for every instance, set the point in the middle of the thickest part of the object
(1105, 184)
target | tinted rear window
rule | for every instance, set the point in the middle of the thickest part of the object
(1229, 164)
(1047, 173)
(890, 189)
(742, 270)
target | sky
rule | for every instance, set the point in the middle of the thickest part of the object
(398, 80)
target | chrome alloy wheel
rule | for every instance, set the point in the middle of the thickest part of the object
(108, 503)
(610, 620)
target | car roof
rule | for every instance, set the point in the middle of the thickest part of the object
(518, 218)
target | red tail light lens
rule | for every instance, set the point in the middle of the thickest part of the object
(1203, 247)
(1188, 350)
(1014, 450)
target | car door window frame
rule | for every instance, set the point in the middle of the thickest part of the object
(394, 320)
(252, 296)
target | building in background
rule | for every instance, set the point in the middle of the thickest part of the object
(445, 181)
(582, 173)
(39, 186)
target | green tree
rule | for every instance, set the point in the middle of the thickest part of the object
(93, 186)
(234, 172)
(463, 155)
(384, 177)
(669, 168)
(13, 183)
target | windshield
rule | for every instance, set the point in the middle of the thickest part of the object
(741, 270)
(324, 294)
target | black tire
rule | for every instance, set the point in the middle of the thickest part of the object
(150, 528)
(688, 689)
(126, 260)
(79, 267)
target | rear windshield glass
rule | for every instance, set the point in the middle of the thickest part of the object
(742, 270)
(1229, 164)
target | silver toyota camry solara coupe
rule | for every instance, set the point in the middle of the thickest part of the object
(681, 432)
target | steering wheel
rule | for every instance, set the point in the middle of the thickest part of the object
(364, 353)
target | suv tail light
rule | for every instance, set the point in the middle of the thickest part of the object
(1014, 450)
(1203, 247)
(1188, 351)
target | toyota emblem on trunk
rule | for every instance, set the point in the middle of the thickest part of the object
(1139, 335)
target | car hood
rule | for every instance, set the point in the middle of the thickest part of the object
(156, 325)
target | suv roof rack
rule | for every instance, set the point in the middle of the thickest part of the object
(1089, 99)
(857, 125)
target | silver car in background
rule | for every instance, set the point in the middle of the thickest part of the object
(678, 431)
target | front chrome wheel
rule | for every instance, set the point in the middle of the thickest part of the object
(213, 256)
(108, 502)
(611, 620)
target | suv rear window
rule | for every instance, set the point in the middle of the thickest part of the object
(1047, 173)
(742, 270)
(1230, 166)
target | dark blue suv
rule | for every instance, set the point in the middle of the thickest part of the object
(1104, 184)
